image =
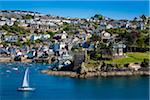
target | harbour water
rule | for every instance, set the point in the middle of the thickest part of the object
(65, 88)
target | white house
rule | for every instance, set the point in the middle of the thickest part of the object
(106, 35)
(45, 36)
(9, 23)
(23, 24)
(67, 21)
(13, 19)
(39, 36)
(109, 26)
(11, 38)
(35, 37)
(62, 45)
(21, 21)
(61, 35)
(3, 18)
(2, 23)
(118, 49)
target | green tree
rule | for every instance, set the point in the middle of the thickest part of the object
(95, 38)
(28, 16)
(98, 16)
(145, 63)
(51, 33)
(38, 41)
(140, 42)
(143, 17)
(101, 17)
(15, 29)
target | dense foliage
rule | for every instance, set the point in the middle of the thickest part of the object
(28, 16)
(136, 38)
(17, 30)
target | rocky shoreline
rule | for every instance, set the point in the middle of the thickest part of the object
(96, 74)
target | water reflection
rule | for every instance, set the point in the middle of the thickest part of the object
(25, 95)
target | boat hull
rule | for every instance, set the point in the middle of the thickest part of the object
(26, 89)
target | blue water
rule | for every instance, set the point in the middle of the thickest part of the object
(64, 88)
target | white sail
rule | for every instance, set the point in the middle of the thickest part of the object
(26, 79)
(25, 84)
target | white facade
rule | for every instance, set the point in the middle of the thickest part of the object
(9, 23)
(2, 23)
(109, 26)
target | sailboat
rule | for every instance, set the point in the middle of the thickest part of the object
(25, 84)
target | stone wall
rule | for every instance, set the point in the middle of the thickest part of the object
(78, 59)
(96, 73)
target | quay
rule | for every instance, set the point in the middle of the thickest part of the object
(96, 74)
(37, 60)
(6, 59)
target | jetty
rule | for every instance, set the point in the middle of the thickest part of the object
(96, 74)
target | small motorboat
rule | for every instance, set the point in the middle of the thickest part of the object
(15, 68)
(8, 71)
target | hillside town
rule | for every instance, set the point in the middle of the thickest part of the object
(71, 43)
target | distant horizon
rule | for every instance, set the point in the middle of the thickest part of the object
(63, 16)
(81, 9)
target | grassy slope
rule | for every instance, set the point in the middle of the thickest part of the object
(131, 57)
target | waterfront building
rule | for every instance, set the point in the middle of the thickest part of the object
(118, 49)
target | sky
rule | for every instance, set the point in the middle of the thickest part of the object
(81, 9)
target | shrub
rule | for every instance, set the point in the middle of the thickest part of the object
(145, 63)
